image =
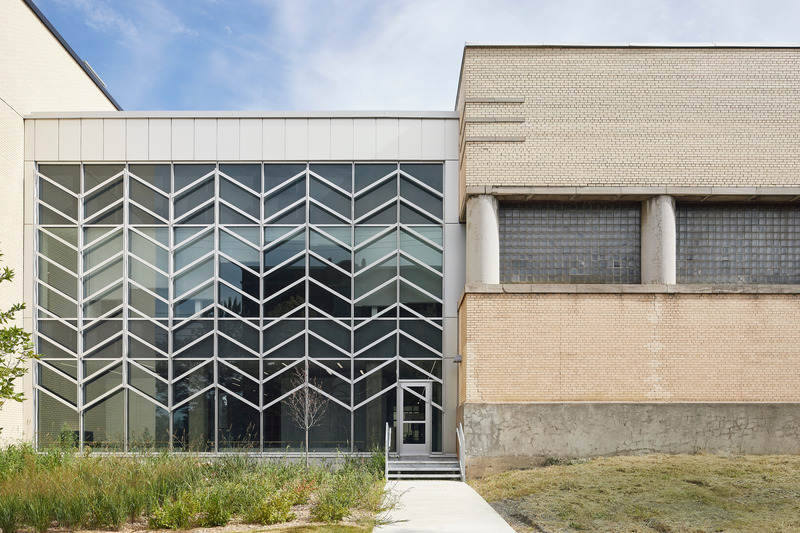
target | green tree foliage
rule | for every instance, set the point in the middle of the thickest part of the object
(16, 348)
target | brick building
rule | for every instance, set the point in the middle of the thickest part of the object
(597, 252)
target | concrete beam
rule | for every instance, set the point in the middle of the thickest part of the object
(483, 240)
(659, 242)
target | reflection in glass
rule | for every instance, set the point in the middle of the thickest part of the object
(193, 424)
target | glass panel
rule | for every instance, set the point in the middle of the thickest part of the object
(103, 277)
(238, 383)
(102, 382)
(239, 424)
(194, 277)
(274, 175)
(247, 255)
(94, 175)
(195, 303)
(100, 331)
(328, 249)
(241, 198)
(570, 243)
(283, 246)
(186, 174)
(146, 303)
(193, 250)
(103, 302)
(148, 278)
(278, 331)
(70, 367)
(104, 424)
(280, 431)
(375, 276)
(58, 385)
(58, 199)
(69, 235)
(333, 433)
(139, 350)
(413, 405)
(109, 350)
(421, 277)
(410, 215)
(55, 420)
(376, 197)
(291, 350)
(376, 302)
(231, 216)
(59, 334)
(148, 384)
(239, 277)
(252, 235)
(421, 198)
(58, 278)
(317, 215)
(102, 249)
(68, 176)
(48, 216)
(331, 198)
(375, 250)
(58, 252)
(156, 175)
(199, 379)
(241, 331)
(56, 304)
(201, 216)
(230, 350)
(194, 197)
(149, 199)
(419, 302)
(370, 420)
(367, 333)
(288, 300)
(340, 175)
(286, 196)
(738, 244)
(148, 425)
(150, 332)
(430, 175)
(50, 351)
(331, 331)
(148, 251)
(322, 350)
(247, 175)
(418, 248)
(329, 276)
(193, 424)
(366, 174)
(328, 302)
(431, 367)
(413, 433)
(102, 198)
(237, 303)
(190, 331)
(140, 216)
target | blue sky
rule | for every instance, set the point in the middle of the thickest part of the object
(360, 54)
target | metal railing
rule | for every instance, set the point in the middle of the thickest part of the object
(387, 444)
(461, 451)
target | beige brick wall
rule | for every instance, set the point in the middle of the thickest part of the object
(630, 347)
(36, 74)
(633, 116)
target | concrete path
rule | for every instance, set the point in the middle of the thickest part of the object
(441, 506)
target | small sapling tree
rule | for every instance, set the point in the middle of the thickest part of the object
(306, 405)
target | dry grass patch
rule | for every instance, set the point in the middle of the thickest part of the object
(662, 493)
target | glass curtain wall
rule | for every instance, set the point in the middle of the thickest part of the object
(181, 306)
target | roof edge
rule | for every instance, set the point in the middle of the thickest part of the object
(81, 63)
(244, 114)
(630, 45)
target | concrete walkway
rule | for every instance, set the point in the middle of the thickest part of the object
(441, 506)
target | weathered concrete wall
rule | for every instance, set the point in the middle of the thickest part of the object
(502, 436)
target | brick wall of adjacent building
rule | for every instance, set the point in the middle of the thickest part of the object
(631, 116)
(630, 347)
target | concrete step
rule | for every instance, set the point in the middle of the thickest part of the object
(423, 468)
(450, 475)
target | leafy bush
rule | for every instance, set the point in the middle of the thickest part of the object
(178, 513)
(273, 508)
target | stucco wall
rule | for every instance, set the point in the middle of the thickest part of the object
(38, 74)
(630, 116)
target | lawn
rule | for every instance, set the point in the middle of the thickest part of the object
(662, 493)
(60, 489)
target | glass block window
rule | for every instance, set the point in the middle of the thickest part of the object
(175, 301)
(570, 243)
(738, 244)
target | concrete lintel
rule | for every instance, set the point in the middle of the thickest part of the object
(656, 288)
(621, 191)
(778, 191)
(734, 190)
(688, 191)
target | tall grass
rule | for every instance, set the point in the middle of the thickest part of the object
(60, 488)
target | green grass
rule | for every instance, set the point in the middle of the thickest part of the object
(60, 489)
(662, 493)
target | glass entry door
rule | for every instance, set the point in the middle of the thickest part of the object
(414, 417)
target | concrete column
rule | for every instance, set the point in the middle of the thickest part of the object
(659, 244)
(483, 240)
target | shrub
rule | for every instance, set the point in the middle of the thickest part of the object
(106, 510)
(176, 513)
(38, 511)
(216, 509)
(274, 508)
